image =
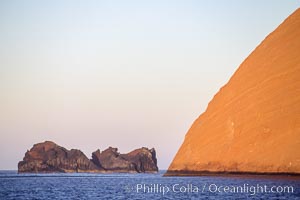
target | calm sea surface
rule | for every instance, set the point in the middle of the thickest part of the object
(143, 186)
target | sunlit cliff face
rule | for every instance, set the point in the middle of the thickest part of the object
(253, 123)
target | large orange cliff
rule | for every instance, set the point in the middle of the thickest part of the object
(252, 125)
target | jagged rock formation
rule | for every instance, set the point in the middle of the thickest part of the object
(144, 159)
(139, 160)
(252, 125)
(50, 157)
(110, 159)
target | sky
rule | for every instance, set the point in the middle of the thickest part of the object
(127, 74)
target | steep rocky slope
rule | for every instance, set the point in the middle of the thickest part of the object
(252, 125)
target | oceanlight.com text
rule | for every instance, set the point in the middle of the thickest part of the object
(210, 188)
(250, 189)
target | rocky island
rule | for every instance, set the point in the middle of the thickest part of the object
(49, 157)
(252, 125)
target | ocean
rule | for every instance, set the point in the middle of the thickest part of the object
(16, 186)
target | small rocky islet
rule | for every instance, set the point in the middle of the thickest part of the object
(48, 157)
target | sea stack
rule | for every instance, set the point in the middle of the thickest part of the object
(50, 157)
(252, 125)
(139, 160)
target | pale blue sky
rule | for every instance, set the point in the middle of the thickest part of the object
(93, 74)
